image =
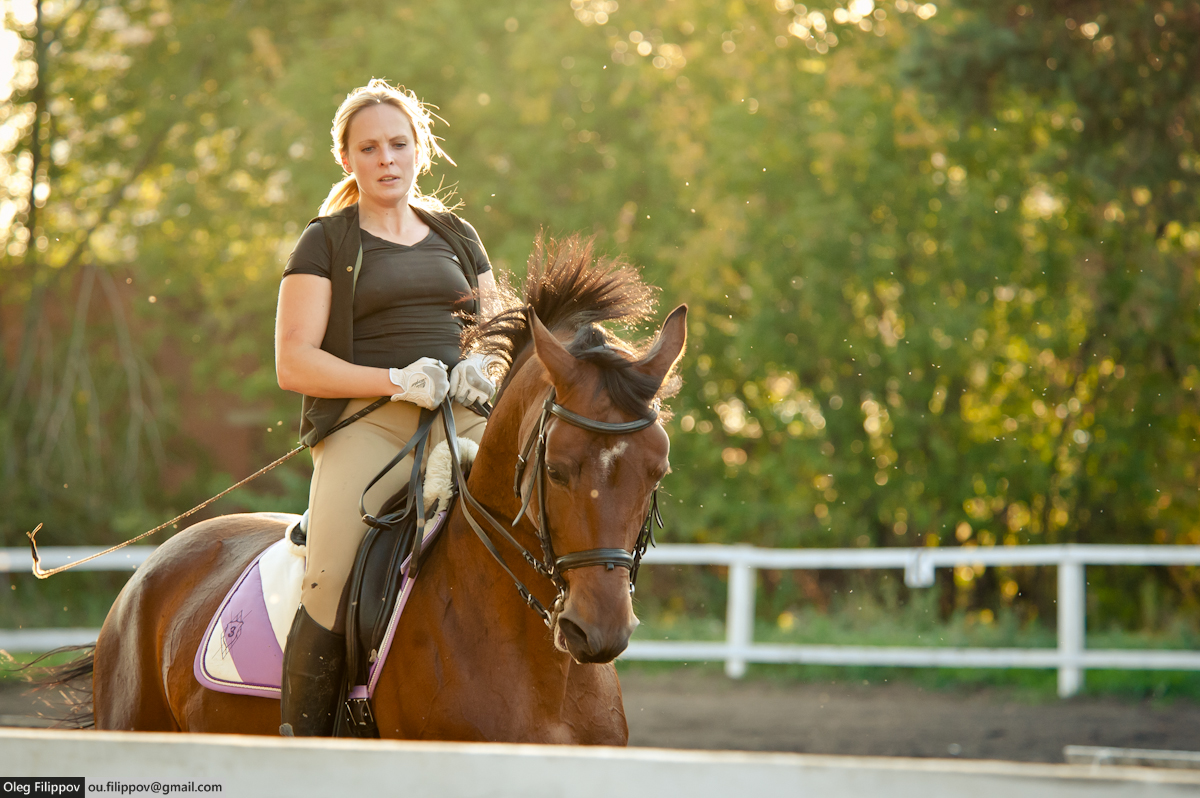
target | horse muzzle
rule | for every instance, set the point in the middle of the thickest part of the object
(597, 618)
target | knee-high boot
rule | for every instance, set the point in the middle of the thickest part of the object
(313, 664)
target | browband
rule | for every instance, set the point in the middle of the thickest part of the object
(604, 427)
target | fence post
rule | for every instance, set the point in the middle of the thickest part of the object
(1072, 619)
(739, 617)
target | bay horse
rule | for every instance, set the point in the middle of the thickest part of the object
(471, 660)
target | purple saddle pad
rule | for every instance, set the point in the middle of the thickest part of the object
(242, 650)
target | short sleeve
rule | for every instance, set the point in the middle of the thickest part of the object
(477, 251)
(311, 255)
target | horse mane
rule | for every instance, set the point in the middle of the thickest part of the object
(573, 291)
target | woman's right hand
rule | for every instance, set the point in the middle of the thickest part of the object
(423, 382)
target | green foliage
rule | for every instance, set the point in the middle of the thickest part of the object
(941, 263)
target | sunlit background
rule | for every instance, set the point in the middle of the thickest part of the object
(941, 260)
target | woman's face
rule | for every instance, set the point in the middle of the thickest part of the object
(381, 154)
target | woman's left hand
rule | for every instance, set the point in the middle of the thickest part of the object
(469, 381)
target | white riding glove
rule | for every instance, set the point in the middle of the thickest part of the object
(424, 383)
(469, 381)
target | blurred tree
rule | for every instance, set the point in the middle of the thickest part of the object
(1105, 96)
(133, 214)
(941, 259)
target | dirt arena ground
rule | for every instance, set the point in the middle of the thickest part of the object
(704, 710)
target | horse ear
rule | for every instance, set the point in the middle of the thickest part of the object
(554, 356)
(668, 347)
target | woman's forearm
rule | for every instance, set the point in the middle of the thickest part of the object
(314, 372)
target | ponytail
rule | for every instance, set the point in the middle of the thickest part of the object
(343, 194)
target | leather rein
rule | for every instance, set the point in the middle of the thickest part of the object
(549, 565)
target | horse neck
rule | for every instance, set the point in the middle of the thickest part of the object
(491, 478)
(472, 571)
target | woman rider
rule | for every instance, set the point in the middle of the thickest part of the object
(369, 306)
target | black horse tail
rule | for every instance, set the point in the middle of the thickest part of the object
(65, 688)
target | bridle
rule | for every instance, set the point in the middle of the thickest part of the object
(549, 565)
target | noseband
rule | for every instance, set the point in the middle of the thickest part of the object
(549, 565)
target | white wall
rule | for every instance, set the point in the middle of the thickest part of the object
(262, 766)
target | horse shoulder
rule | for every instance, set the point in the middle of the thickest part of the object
(449, 679)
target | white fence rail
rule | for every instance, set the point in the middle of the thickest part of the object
(1070, 657)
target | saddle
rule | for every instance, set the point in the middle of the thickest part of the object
(242, 651)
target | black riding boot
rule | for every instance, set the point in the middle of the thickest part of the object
(313, 663)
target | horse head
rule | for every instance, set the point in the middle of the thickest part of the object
(577, 419)
(598, 477)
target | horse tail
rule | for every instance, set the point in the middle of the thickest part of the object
(65, 688)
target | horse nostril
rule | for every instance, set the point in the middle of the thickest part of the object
(576, 637)
(590, 644)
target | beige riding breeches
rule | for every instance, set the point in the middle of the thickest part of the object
(343, 464)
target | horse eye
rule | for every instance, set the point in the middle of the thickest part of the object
(556, 474)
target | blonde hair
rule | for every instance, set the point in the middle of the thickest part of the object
(379, 92)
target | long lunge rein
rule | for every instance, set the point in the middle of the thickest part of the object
(42, 573)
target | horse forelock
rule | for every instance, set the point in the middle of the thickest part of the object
(574, 292)
(629, 389)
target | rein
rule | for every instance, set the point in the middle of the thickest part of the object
(550, 566)
(41, 573)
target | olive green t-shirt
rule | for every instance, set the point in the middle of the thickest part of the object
(407, 297)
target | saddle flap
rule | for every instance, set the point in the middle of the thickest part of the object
(384, 577)
(383, 574)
